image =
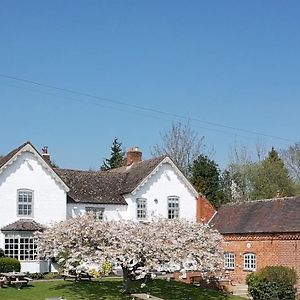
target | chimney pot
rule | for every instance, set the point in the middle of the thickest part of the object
(46, 155)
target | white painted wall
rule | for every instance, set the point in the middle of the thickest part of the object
(37, 266)
(49, 197)
(111, 212)
(164, 183)
(27, 172)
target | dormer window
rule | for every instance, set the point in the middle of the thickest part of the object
(25, 203)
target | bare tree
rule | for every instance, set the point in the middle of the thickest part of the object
(182, 144)
(291, 158)
(242, 154)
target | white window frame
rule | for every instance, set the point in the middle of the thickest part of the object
(250, 262)
(20, 246)
(141, 209)
(25, 203)
(229, 260)
(173, 212)
(98, 212)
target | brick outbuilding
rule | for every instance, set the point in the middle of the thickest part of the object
(258, 234)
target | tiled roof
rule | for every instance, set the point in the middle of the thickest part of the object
(279, 215)
(136, 173)
(100, 186)
(6, 158)
(93, 187)
(23, 225)
(106, 187)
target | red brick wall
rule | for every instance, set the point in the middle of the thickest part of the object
(270, 250)
(204, 210)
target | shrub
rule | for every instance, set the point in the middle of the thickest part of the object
(1, 253)
(35, 276)
(9, 264)
(273, 282)
(52, 275)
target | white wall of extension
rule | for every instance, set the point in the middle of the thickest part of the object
(49, 197)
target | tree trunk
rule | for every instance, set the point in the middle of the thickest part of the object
(126, 281)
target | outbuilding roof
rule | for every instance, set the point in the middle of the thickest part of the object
(278, 215)
(23, 225)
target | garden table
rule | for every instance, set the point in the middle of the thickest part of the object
(18, 279)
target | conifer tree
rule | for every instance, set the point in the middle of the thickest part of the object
(206, 179)
(271, 178)
(117, 156)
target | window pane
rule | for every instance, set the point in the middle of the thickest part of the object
(26, 245)
(141, 205)
(173, 207)
(25, 200)
(98, 212)
(250, 261)
(229, 260)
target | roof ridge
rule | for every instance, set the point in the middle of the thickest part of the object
(77, 170)
(8, 156)
(261, 200)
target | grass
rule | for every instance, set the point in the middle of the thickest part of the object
(110, 289)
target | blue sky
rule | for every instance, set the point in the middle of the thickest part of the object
(235, 63)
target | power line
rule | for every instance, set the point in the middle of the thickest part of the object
(88, 95)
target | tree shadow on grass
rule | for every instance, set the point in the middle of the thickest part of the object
(112, 290)
(92, 290)
(179, 291)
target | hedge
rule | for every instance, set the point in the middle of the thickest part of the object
(272, 283)
(9, 264)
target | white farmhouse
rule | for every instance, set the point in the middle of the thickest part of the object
(33, 194)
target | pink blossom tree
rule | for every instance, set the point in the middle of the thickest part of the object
(137, 248)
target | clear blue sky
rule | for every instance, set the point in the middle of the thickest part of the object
(235, 63)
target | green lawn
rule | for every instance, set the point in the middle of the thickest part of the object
(109, 290)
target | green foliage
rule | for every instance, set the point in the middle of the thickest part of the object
(109, 289)
(271, 178)
(117, 157)
(106, 269)
(226, 187)
(272, 283)
(263, 179)
(2, 253)
(209, 181)
(51, 275)
(9, 264)
(35, 276)
(206, 178)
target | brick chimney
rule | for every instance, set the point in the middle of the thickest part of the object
(46, 155)
(133, 155)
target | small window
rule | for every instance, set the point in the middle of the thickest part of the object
(229, 261)
(20, 247)
(141, 208)
(25, 203)
(173, 207)
(96, 211)
(249, 262)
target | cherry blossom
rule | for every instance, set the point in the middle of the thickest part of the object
(84, 243)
